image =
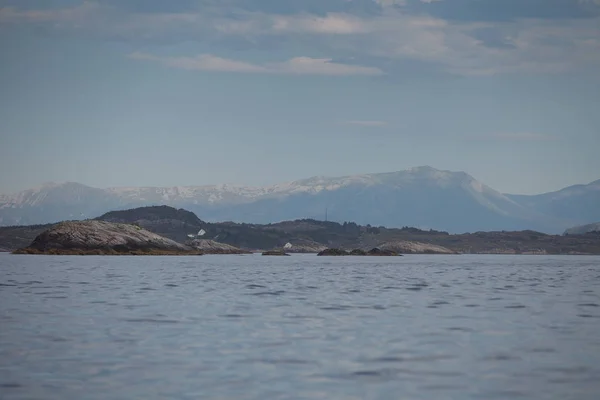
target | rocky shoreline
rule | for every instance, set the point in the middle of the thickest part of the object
(299, 236)
(376, 252)
(276, 253)
(207, 246)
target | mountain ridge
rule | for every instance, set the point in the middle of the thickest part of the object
(420, 196)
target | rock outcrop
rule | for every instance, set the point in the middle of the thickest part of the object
(312, 236)
(408, 247)
(103, 238)
(333, 252)
(275, 253)
(207, 246)
(305, 246)
(359, 252)
(382, 252)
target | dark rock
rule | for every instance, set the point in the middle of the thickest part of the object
(275, 253)
(379, 252)
(333, 252)
(358, 252)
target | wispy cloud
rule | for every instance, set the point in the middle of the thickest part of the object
(203, 62)
(366, 123)
(294, 66)
(72, 14)
(335, 24)
(515, 136)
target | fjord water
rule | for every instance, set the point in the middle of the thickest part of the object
(253, 327)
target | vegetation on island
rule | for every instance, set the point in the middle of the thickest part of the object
(309, 235)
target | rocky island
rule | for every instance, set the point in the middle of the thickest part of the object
(410, 247)
(359, 252)
(103, 238)
(275, 253)
(312, 236)
(207, 246)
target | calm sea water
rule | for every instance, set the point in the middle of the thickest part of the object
(253, 327)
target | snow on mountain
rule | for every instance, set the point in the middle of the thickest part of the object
(209, 194)
(60, 193)
(420, 196)
(212, 194)
(54, 202)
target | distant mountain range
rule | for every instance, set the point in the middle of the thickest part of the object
(422, 197)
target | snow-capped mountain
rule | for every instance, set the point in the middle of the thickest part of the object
(423, 197)
(54, 202)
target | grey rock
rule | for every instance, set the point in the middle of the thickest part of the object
(275, 253)
(99, 237)
(408, 247)
(211, 247)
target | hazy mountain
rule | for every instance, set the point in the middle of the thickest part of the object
(579, 204)
(423, 197)
(583, 229)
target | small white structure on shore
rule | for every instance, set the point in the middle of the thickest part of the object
(201, 232)
(287, 246)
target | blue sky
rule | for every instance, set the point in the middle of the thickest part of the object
(191, 92)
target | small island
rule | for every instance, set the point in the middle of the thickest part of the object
(359, 252)
(333, 252)
(275, 253)
(298, 236)
(103, 238)
(207, 246)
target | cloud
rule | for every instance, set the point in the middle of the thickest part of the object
(204, 62)
(505, 10)
(337, 24)
(364, 123)
(391, 3)
(322, 66)
(401, 31)
(294, 66)
(72, 14)
(154, 6)
(516, 136)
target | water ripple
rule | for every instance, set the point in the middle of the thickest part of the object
(418, 327)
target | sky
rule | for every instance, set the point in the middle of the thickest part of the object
(256, 92)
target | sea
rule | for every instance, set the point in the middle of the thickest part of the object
(300, 327)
